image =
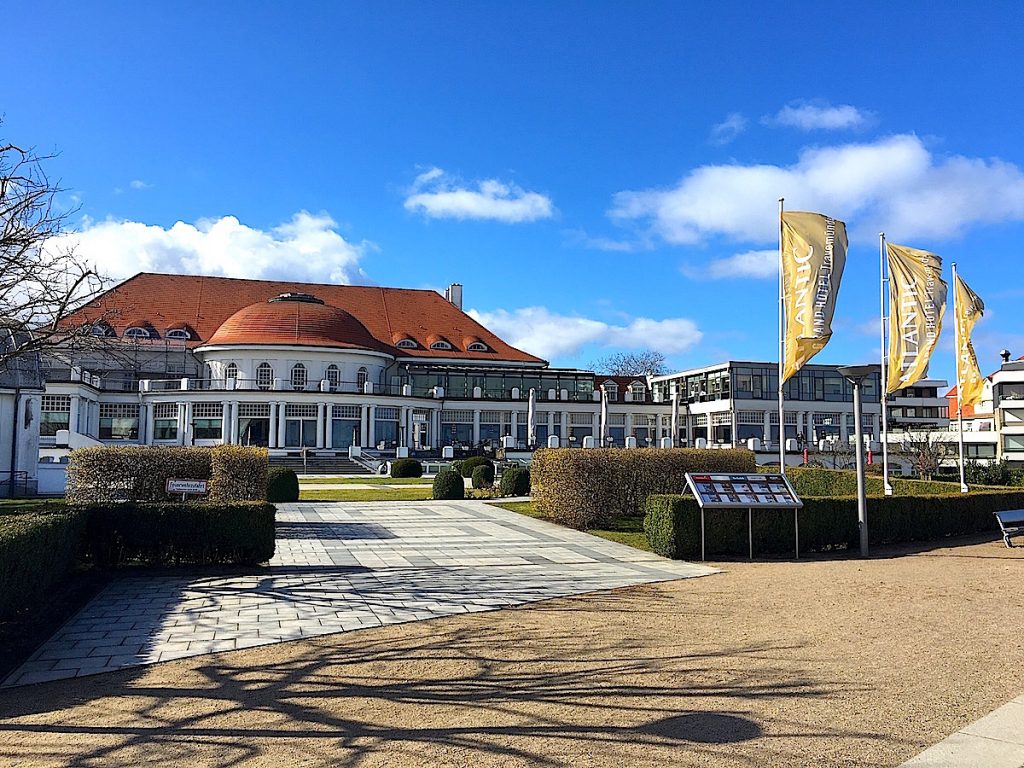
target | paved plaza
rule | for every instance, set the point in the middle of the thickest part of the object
(341, 567)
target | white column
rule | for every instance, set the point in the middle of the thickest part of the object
(187, 432)
(146, 423)
(76, 403)
(328, 425)
(281, 424)
(810, 427)
(272, 437)
(476, 426)
(225, 423)
(434, 438)
(372, 428)
(595, 428)
(320, 407)
(234, 423)
(628, 431)
(364, 420)
(767, 425)
(514, 425)
(181, 423)
(564, 439)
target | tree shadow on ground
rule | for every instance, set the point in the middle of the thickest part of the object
(521, 694)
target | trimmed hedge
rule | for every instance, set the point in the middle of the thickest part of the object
(282, 485)
(579, 487)
(515, 481)
(140, 473)
(177, 534)
(813, 481)
(468, 465)
(406, 468)
(483, 476)
(37, 549)
(672, 523)
(448, 485)
(238, 473)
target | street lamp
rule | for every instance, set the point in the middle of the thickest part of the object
(855, 374)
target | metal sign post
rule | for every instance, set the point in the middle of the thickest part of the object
(742, 491)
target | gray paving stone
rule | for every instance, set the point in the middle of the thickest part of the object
(362, 565)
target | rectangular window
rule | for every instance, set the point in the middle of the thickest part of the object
(54, 415)
(165, 429)
(119, 421)
(206, 429)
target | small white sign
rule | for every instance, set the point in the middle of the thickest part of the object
(178, 485)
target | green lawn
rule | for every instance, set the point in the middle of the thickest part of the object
(364, 494)
(624, 530)
(18, 505)
(368, 480)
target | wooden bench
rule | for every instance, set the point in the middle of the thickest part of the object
(1012, 524)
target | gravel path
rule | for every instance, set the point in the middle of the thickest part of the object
(830, 663)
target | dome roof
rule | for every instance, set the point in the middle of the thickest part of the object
(294, 319)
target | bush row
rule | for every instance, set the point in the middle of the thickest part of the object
(136, 473)
(37, 549)
(579, 487)
(812, 481)
(238, 533)
(672, 522)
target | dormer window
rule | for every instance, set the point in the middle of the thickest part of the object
(611, 389)
(406, 344)
(637, 391)
(440, 345)
(477, 346)
(101, 330)
(178, 334)
(136, 333)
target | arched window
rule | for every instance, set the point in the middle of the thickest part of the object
(333, 376)
(361, 378)
(178, 334)
(101, 329)
(299, 376)
(136, 333)
(477, 346)
(440, 345)
(612, 390)
(231, 371)
(264, 376)
(637, 391)
(406, 344)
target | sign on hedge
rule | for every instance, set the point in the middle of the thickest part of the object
(180, 485)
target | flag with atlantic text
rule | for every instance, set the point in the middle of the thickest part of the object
(969, 309)
(813, 257)
(917, 301)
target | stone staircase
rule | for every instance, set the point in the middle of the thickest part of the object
(320, 465)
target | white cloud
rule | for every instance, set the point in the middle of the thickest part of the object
(139, 184)
(749, 264)
(305, 248)
(813, 116)
(550, 335)
(894, 184)
(727, 130)
(437, 195)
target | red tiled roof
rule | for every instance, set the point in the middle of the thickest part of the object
(202, 304)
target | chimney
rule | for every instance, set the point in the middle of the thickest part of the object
(1005, 354)
(453, 293)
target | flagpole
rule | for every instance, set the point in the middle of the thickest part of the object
(884, 359)
(959, 383)
(782, 349)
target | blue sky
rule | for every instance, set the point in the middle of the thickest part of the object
(599, 175)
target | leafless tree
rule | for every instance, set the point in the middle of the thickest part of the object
(41, 280)
(646, 362)
(926, 450)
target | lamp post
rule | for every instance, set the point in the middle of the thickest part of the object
(855, 374)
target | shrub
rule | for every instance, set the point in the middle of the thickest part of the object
(672, 522)
(579, 487)
(282, 485)
(238, 473)
(37, 549)
(132, 473)
(483, 476)
(456, 466)
(468, 465)
(515, 481)
(406, 468)
(448, 485)
(812, 481)
(239, 533)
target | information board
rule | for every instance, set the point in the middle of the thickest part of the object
(742, 491)
(183, 486)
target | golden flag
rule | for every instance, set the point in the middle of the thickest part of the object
(917, 301)
(813, 257)
(969, 309)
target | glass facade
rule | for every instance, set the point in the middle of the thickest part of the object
(760, 381)
(498, 384)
